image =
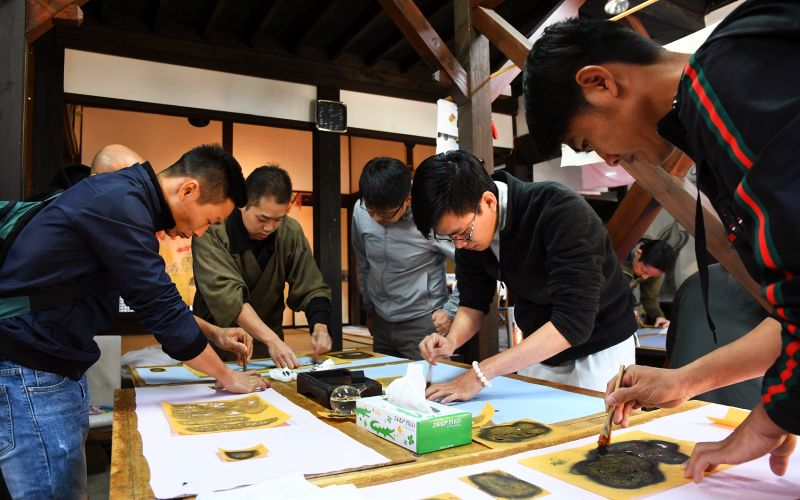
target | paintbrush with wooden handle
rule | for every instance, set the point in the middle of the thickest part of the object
(605, 437)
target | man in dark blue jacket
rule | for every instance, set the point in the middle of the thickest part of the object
(100, 232)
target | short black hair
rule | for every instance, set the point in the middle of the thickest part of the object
(218, 172)
(451, 182)
(552, 96)
(658, 254)
(384, 183)
(269, 181)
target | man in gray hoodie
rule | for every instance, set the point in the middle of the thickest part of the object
(401, 273)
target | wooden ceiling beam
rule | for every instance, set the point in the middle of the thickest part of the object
(321, 19)
(268, 11)
(365, 22)
(213, 18)
(246, 61)
(564, 10)
(502, 34)
(638, 209)
(678, 196)
(41, 15)
(376, 54)
(424, 39)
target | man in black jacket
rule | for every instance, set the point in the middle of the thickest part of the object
(734, 108)
(572, 301)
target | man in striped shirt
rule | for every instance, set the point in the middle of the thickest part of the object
(734, 107)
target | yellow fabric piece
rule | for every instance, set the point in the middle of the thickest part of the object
(732, 419)
(559, 464)
(205, 417)
(484, 417)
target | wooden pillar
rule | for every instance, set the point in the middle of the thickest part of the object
(475, 136)
(12, 97)
(327, 215)
(47, 139)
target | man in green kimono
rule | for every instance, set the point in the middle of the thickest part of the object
(241, 267)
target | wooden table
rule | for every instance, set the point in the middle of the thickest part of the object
(130, 476)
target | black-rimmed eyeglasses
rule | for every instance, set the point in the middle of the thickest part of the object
(381, 215)
(459, 237)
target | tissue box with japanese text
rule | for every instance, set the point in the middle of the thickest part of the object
(444, 428)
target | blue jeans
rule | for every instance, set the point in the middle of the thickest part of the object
(44, 419)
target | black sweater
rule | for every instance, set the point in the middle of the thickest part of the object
(557, 261)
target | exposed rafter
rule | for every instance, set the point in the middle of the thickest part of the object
(41, 15)
(564, 10)
(366, 22)
(213, 18)
(160, 14)
(268, 11)
(502, 34)
(421, 35)
(321, 19)
(377, 53)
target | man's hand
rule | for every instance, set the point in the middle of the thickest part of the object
(646, 386)
(661, 322)
(436, 346)
(281, 354)
(242, 382)
(320, 339)
(235, 340)
(441, 321)
(461, 388)
(757, 436)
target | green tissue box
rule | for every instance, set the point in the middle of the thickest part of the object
(444, 428)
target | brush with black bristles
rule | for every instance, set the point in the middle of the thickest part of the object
(605, 437)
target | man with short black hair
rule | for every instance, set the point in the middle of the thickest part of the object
(242, 265)
(645, 268)
(79, 254)
(401, 273)
(733, 107)
(550, 248)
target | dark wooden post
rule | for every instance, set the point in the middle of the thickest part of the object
(475, 135)
(327, 215)
(12, 97)
(47, 139)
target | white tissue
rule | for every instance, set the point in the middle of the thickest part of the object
(409, 391)
(283, 374)
(325, 365)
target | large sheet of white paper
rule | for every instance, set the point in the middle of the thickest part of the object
(512, 399)
(750, 480)
(187, 465)
(179, 374)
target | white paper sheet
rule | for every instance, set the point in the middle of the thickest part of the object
(291, 487)
(186, 465)
(750, 480)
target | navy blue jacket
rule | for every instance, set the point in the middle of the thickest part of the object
(103, 224)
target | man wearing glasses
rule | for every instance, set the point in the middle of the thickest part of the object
(401, 273)
(545, 242)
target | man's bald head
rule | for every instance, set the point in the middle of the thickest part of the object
(114, 157)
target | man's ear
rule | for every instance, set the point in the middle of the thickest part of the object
(188, 188)
(597, 83)
(490, 199)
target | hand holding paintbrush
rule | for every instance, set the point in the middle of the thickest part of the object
(605, 436)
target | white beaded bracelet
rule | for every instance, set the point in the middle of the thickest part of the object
(480, 375)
